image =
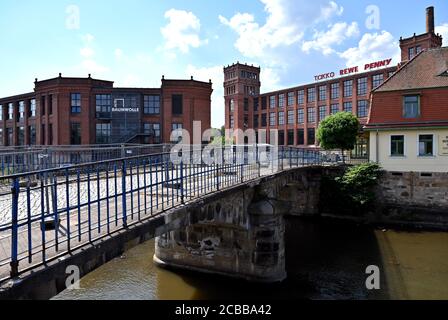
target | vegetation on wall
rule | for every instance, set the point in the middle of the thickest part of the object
(353, 191)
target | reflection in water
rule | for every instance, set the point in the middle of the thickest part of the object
(324, 261)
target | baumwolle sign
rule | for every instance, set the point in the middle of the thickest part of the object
(351, 70)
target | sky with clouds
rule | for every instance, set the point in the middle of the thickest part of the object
(135, 42)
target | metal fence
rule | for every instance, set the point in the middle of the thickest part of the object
(21, 160)
(48, 213)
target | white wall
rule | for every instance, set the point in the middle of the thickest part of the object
(411, 160)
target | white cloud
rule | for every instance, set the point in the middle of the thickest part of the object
(182, 31)
(372, 47)
(443, 30)
(336, 34)
(118, 54)
(285, 24)
(88, 63)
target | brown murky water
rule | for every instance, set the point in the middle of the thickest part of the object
(324, 261)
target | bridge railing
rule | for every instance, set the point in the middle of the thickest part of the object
(48, 213)
(22, 160)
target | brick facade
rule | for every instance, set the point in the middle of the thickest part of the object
(53, 116)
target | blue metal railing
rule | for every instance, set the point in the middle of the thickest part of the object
(22, 160)
(47, 213)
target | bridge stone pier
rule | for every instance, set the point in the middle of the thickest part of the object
(241, 233)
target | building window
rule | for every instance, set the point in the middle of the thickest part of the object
(335, 90)
(281, 138)
(1, 112)
(363, 109)
(256, 104)
(264, 121)
(1, 137)
(232, 105)
(361, 149)
(43, 135)
(311, 115)
(290, 137)
(281, 101)
(76, 103)
(272, 102)
(362, 86)
(311, 95)
(348, 88)
(322, 93)
(311, 136)
(9, 137)
(397, 146)
(411, 108)
(301, 116)
(418, 49)
(75, 133)
(246, 104)
(103, 133)
(153, 130)
(301, 137)
(50, 134)
(50, 104)
(377, 80)
(334, 108)
(10, 111)
(32, 108)
(21, 110)
(103, 103)
(42, 105)
(264, 103)
(32, 135)
(256, 118)
(21, 136)
(291, 119)
(348, 107)
(391, 73)
(322, 112)
(272, 119)
(281, 118)
(411, 53)
(290, 99)
(232, 122)
(301, 96)
(177, 104)
(176, 130)
(426, 145)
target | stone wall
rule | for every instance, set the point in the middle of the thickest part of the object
(413, 197)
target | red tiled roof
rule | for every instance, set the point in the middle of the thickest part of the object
(427, 70)
(424, 75)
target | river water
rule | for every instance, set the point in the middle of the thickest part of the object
(324, 261)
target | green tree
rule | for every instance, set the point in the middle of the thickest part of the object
(338, 131)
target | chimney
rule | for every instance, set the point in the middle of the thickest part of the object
(430, 20)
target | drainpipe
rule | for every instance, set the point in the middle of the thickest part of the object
(377, 146)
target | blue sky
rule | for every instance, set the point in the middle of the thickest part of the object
(135, 42)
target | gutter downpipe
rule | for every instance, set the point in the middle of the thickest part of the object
(377, 146)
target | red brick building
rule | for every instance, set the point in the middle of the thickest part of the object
(296, 112)
(73, 111)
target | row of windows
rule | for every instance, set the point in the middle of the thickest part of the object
(363, 110)
(9, 135)
(425, 145)
(21, 110)
(362, 90)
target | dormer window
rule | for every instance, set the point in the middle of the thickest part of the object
(411, 106)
